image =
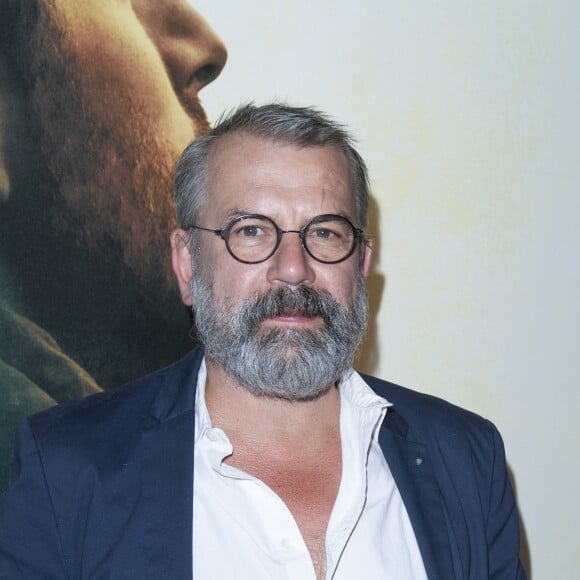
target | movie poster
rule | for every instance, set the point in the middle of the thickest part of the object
(97, 102)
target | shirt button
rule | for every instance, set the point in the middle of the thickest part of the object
(212, 435)
(285, 544)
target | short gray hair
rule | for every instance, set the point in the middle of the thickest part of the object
(300, 126)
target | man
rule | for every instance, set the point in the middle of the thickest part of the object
(264, 455)
(98, 99)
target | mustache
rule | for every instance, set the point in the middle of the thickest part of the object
(284, 301)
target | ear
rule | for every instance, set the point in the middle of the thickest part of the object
(367, 255)
(181, 262)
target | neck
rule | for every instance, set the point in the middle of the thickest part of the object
(245, 416)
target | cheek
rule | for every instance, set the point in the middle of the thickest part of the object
(127, 69)
(343, 284)
(232, 284)
(233, 281)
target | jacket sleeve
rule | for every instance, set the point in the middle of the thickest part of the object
(30, 546)
(503, 535)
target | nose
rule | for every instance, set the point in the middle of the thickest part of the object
(290, 265)
(192, 52)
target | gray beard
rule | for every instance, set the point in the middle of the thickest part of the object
(288, 363)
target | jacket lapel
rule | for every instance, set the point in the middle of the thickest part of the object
(409, 463)
(167, 487)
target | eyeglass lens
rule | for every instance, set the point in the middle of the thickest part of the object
(255, 238)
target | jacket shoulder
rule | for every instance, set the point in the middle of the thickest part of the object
(117, 410)
(425, 417)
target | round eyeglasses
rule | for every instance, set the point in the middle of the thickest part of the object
(254, 238)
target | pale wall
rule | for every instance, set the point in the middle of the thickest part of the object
(468, 115)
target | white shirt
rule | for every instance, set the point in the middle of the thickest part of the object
(243, 530)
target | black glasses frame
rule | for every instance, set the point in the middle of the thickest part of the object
(224, 234)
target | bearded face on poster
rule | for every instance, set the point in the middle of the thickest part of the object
(97, 101)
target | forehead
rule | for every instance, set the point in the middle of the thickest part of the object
(261, 175)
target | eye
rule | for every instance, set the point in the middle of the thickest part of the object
(249, 231)
(331, 232)
(323, 233)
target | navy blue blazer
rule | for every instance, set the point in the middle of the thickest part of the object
(103, 488)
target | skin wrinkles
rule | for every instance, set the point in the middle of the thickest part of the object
(291, 185)
(271, 371)
(291, 197)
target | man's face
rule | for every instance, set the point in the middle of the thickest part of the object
(291, 304)
(114, 90)
(290, 185)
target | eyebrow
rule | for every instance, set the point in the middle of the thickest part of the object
(234, 214)
(238, 212)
